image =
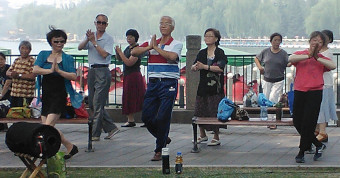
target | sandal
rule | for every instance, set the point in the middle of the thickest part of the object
(322, 137)
(200, 139)
(214, 142)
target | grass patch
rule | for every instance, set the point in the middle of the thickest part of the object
(190, 172)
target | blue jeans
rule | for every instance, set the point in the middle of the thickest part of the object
(99, 80)
(157, 109)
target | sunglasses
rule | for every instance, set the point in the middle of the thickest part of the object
(62, 41)
(100, 22)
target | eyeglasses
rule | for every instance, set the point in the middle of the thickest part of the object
(62, 41)
(101, 22)
(165, 24)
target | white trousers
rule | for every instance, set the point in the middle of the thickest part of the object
(272, 91)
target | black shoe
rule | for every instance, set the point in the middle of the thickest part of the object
(311, 150)
(168, 140)
(129, 124)
(318, 152)
(72, 152)
(300, 159)
(3, 127)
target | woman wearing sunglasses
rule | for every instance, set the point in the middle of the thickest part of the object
(56, 70)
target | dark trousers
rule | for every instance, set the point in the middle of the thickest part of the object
(157, 109)
(19, 101)
(305, 116)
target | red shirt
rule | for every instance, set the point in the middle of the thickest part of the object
(309, 73)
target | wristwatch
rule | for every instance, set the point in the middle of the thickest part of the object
(20, 75)
(95, 45)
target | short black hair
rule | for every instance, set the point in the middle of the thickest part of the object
(216, 34)
(55, 33)
(133, 33)
(274, 35)
(329, 34)
(2, 55)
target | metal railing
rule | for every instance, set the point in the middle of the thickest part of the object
(238, 65)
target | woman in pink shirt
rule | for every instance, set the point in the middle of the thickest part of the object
(310, 66)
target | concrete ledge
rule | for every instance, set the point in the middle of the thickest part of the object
(182, 116)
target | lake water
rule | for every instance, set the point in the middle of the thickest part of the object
(38, 46)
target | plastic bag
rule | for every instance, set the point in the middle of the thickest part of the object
(19, 112)
(290, 97)
(35, 108)
(263, 101)
(56, 166)
(81, 112)
(250, 99)
(225, 108)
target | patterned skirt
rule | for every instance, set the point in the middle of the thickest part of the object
(206, 106)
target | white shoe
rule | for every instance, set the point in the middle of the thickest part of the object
(200, 139)
(214, 142)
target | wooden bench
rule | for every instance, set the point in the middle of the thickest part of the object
(60, 121)
(251, 122)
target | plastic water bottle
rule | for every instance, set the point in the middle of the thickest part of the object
(165, 161)
(264, 113)
(179, 163)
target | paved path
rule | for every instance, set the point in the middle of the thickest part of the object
(248, 146)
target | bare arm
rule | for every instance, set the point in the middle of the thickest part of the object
(201, 66)
(259, 66)
(6, 87)
(67, 75)
(83, 44)
(127, 61)
(329, 64)
(169, 55)
(41, 71)
(296, 58)
(137, 51)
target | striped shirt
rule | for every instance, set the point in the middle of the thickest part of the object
(158, 66)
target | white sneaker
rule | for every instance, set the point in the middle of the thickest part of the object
(214, 142)
(112, 133)
(200, 139)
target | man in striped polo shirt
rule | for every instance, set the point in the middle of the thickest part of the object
(163, 73)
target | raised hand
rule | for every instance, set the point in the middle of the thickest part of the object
(118, 52)
(153, 41)
(90, 35)
(316, 51)
(55, 67)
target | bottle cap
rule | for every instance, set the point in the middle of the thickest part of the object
(165, 151)
(179, 153)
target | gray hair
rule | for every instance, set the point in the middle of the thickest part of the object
(172, 20)
(107, 19)
(25, 43)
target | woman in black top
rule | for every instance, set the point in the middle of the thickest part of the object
(133, 84)
(210, 62)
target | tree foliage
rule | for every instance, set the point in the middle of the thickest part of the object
(234, 18)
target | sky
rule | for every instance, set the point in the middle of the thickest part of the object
(15, 4)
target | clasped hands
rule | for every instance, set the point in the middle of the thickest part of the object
(153, 43)
(198, 66)
(314, 52)
(90, 35)
(55, 67)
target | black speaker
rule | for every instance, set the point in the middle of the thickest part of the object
(37, 140)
